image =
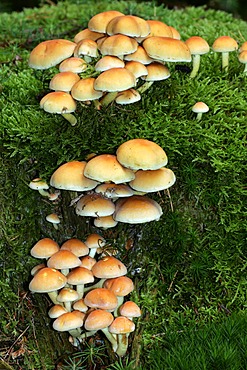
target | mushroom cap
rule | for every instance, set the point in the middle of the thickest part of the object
(88, 34)
(159, 28)
(80, 275)
(63, 259)
(120, 286)
(167, 49)
(80, 305)
(153, 180)
(69, 321)
(58, 102)
(73, 64)
(75, 246)
(109, 267)
(141, 154)
(128, 97)
(121, 325)
(106, 168)
(47, 280)
(63, 81)
(108, 62)
(95, 241)
(118, 45)
(156, 72)
(44, 248)
(197, 45)
(69, 176)
(137, 68)
(101, 298)
(53, 218)
(140, 55)
(242, 56)
(105, 222)
(130, 309)
(86, 47)
(49, 53)
(84, 90)
(200, 107)
(98, 319)
(175, 33)
(38, 184)
(115, 79)
(88, 262)
(128, 25)
(56, 311)
(94, 205)
(224, 44)
(99, 21)
(67, 295)
(137, 209)
(36, 268)
(243, 47)
(110, 190)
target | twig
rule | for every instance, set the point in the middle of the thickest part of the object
(9, 350)
(173, 279)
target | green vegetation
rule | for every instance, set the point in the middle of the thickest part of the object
(189, 268)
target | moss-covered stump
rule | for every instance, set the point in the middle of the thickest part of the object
(189, 268)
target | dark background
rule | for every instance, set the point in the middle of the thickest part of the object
(236, 7)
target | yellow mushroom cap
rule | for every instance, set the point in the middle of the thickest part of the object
(98, 319)
(224, 44)
(167, 49)
(109, 267)
(99, 21)
(58, 102)
(47, 280)
(101, 298)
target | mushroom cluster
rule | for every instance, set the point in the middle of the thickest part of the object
(115, 187)
(87, 293)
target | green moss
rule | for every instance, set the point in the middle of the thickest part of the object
(192, 262)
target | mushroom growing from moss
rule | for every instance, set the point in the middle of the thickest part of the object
(224, 45)
(198, 46)
(200, 108)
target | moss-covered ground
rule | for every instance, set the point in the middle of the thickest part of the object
(189, 268)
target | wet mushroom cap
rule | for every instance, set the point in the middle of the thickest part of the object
(153, 180)
(141, 154)
(98, 319)
(76, 246)
(44, 248)
(106, 168)
(121, 325)
(49, 53)
(99, 21)
(69, 176)
(94, 205)
(120, 286)
(130, 309)
(58, 102)
(167, 49)
(137, 209)
(47, 280)
(63, 81)
(109, 267)
(69, 321)
(101, 298)
(115, 79)
(63, 259)
(79, 276)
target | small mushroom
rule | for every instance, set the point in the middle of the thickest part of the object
(224, 45)
(200, 108)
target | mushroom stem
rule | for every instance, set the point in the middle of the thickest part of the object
(44, 192)
(122, 344)
(75, 332)
(120, 302)
(196, 65)
(245, 69)
(225, 60)
(144, 86)
(53, 296)
(70, 118)
(80, 290)
(199, 116)
(99, 284)
(108, 98)
(86, 335)
(111, 339)
(92, 252)
(67, 305)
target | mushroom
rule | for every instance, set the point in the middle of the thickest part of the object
(75, 246)
(56, 311)
(137, 209)
(99, 21)
(63, 81)
(44, 248)
(48, 280)
(198, 46)
(63, 260)
(88, 34)
(94, 205)
(130, 309)
(242, 57)
(53, 219)
(106, 168)
(60, 102)
(73, 64)
(69, 176)
(101, 298)
(78, 277)
(142, 154)
(40, 185)
(224, 45)
(93, 242)
(148, 181)
(86, 49)
(128, 25)
(84, 91)
(71, 322)
(122, 327)
(67, 296)
(156, 72)
(105, 222)
(200, 108)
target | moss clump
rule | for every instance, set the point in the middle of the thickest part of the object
(189, 267)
